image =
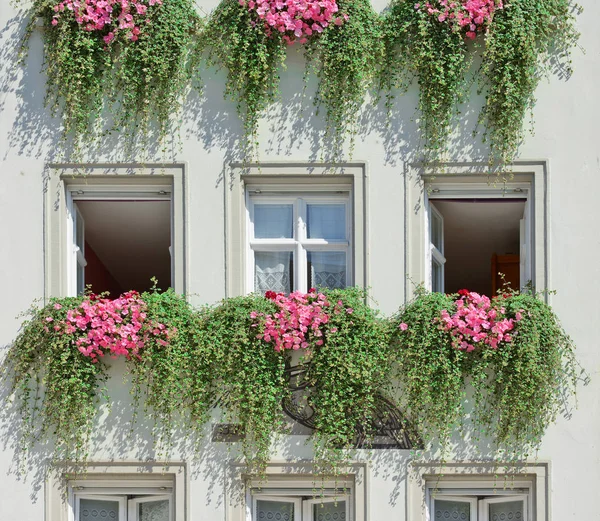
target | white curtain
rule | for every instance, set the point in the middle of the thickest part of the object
(272, 272)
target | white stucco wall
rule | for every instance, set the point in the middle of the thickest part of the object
(566, 135)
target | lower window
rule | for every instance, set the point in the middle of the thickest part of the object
(105, 507)
(483, 505)
(300, 508)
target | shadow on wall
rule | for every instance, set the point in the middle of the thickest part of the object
(289, 125)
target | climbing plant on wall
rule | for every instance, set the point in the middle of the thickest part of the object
(240, 356)
(129, 57)
(518, 40)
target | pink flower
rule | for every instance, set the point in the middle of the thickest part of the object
(403, 326)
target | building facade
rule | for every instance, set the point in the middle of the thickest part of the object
(214, 228)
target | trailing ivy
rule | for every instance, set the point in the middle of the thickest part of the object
(234, 40)
(238, 356)
(57, 389)
(418, 45)
(521, 387)
(429, 370)
(525, 39)
(347, 374)
(137, 68)
(248, 374)
(345, 58)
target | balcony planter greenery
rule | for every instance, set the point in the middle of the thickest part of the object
(132, 59)
(183, 361)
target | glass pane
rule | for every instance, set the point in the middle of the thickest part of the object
(329, 511)
(436, 230)
(79, 230)
(506, 511)
(80, 279)
(436, 277)
(451, 510)
(273, 221)
(326, 221)
(273, 271)
(327, 269)
(98, 510)
(153, 510)
(274, 511)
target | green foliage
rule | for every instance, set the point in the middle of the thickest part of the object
(521, 387)
(526, 39)
(417, 44)
(348, 372)
(518, 388)
(429, 371)
(135, 81)
(217, 357)
(346, 59)
(233, 39)
(56, 387)
(248, 374)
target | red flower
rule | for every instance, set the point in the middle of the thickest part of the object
(463, 292)
(271, 295)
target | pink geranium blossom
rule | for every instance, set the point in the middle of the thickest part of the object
(295, 19)
(478, 321)
(472, 16)
(114, 326)
(112, 16)
(300, 321)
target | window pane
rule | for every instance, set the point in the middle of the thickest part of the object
(326, 221)
(436, 277)
(153, 511)
(274, 511)
(98, 510)
(273, 271)
(273, 221)
(80, 279)
(436, 230)
(452, 510)
(506, 511)
(329, 511)
(327, 269)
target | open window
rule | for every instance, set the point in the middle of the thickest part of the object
(479, 239)
(113, 228)
(298, 241)
(479, 504)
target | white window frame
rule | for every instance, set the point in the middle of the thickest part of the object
(298, 179)
(116, 481)
(528, 179)
(296, 482)
(300, 245)
(478, 482)
(68, 183)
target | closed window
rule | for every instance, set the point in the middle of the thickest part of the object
(300, 508)
(298, 241)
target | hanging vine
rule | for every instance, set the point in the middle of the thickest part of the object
(131, 58)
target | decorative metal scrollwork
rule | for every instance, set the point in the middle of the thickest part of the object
(388, 428)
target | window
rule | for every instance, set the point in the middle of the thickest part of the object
(476, 232)
(291, 227)
(114, 229)
(477, 492)
(448, 502)
(462, 230)
(298, 241)
(118, 492)
(292, 492)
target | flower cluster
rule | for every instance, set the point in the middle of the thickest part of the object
(477, 321)
(299, 321)
(472, 15)
(295, 19)
(117, 327)
(111, 15)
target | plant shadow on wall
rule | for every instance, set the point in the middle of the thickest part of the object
(520, 42)
(182, 362)
(115, 68)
